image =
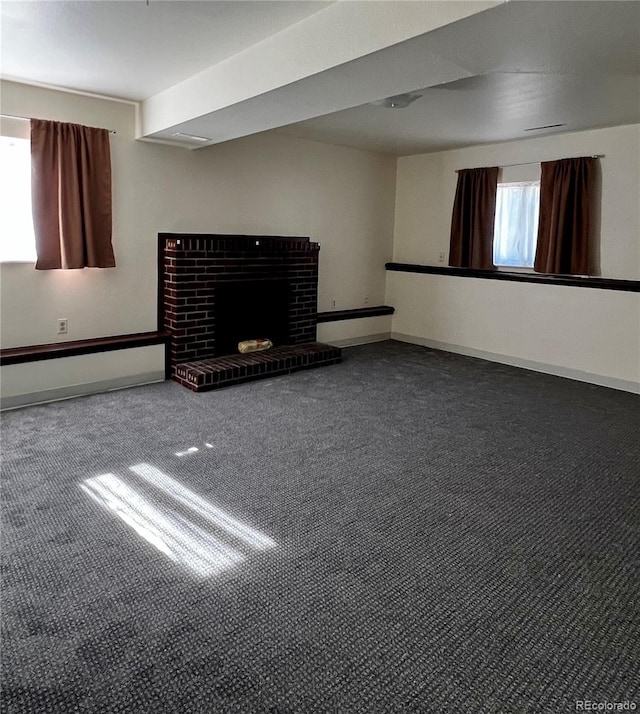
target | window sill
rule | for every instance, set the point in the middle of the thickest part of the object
(522, 277)
(515, 269)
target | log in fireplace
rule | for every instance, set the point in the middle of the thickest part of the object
(216, 290)
(249, 309)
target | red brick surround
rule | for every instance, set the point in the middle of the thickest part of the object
(193, 265)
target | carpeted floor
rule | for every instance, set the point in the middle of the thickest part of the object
(409, 531)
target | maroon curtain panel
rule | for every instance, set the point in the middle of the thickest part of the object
(472, 222)
(71, 195)
(566, 199)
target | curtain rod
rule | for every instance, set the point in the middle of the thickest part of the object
(14, 116)
(530, 163)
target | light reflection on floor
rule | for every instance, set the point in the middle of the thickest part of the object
(171, 532)
(192, 450)
(186, 452)
(212, 513)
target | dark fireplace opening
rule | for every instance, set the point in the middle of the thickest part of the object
(251, 309)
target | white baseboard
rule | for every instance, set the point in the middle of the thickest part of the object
(78, 390)
(556, 370)
(365, 340)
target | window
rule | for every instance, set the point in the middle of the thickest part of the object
(516, 224)
(17, 241)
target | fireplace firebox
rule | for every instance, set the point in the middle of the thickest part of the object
(248, 309)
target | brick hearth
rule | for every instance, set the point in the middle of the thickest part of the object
(196, 272)
(204, 375)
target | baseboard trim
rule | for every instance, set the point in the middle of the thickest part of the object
(79, 390)
(556, 370)
(365, 340)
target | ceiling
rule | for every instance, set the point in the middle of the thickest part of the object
(533, 65)
(129, 49)
(486, 71)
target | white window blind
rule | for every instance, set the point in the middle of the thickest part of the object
(17, 241)
(516, 224)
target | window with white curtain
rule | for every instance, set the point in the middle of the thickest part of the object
(516, 224)
(17, 241)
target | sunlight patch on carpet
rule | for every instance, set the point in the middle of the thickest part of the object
(172, 533)
(182, 494)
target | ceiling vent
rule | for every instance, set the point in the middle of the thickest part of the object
(548, 126)
(398, 101)
(192, 137)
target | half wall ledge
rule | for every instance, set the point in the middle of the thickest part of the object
(632, 286)
(56, 350)
(355, 313)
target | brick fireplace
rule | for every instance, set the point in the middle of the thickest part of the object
(216, 290)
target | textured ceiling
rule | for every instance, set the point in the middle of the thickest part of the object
(531, 64)
(128, 49)
(488, 74)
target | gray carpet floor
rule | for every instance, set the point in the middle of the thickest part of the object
(409, 531)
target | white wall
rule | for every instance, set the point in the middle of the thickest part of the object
(585, 333)
(345, 333)
(266, 184)
(344, 199)
(426, 186)
(48, 380)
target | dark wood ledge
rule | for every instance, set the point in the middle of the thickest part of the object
(632, 286)
(355, 313)
(54, 350)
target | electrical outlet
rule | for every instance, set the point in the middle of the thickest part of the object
(63, 326)
(441, 258)
(333, 303)
(366, 299)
